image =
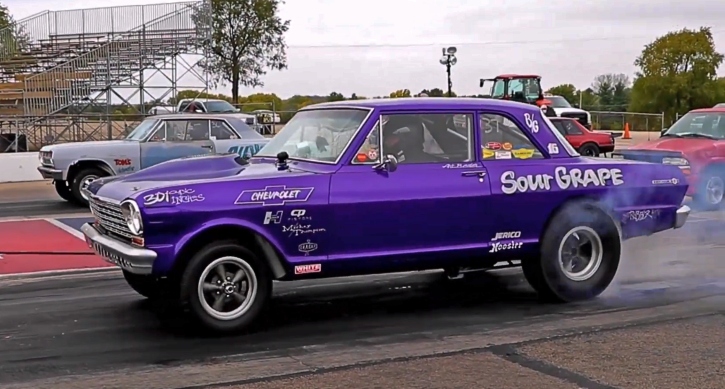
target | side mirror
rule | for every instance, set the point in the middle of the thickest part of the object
(576, 106)
(389, 164)
(663, 131)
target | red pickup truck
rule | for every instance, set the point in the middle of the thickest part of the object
(695, 143)
(585, 141)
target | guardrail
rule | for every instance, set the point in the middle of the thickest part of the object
(19, 167)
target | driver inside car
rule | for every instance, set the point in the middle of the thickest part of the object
(403, 137)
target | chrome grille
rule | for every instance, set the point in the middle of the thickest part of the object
(109, 216)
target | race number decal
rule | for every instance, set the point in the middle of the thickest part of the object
(531, 123)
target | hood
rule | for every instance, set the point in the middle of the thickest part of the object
(685, 146)
(93, 145)
(185, 172)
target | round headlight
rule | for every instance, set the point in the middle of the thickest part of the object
(132, 216)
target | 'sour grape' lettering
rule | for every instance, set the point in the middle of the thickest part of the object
(563, 178)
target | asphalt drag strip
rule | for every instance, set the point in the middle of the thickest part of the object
(413, 330)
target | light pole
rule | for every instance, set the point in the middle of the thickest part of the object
(448, 60)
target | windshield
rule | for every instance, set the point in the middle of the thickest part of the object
(699, 125)
(142, 130)
(558, 102)
(527, 88)
(318, 135)
(220, 106)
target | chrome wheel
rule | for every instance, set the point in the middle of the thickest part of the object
(227, 288)
(84, 184)
(580, 253)
(714, 190)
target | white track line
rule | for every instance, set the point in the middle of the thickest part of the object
(29, 218)
(67, 228)
(49, 273)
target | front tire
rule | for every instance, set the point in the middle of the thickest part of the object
(81, 180)
(580, 253)
(226, 287)
(147, 286)
(63, 190)
(710, 192)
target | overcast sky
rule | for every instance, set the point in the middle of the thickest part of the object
(396, 44)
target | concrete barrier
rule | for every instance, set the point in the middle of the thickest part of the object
(19, 167)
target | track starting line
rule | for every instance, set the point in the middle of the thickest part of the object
(44, 245)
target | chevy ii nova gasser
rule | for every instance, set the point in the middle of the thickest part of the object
(72, 166)
(363, 187)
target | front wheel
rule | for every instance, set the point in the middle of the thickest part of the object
(63, 190)
(580, 254)
(81, 180)
(226, 287)
(710, 193)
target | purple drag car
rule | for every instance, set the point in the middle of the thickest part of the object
(377, 186)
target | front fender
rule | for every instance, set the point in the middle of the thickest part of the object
(276, 257)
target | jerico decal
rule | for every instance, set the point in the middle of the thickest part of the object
(274, 195)
(173, 197)
(564, 178)
(506, 235)
(531, 122)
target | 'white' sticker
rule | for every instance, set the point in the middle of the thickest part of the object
(531, 123)
(564, 178)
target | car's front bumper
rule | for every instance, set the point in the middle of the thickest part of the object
(130, 258)
(51, 173)
(681, 216)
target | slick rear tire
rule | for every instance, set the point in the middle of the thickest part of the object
(226, 287)
(63, 190)
(563, 273)
(147, 286)
(80, 180)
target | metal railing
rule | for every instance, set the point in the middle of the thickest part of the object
(616, 121)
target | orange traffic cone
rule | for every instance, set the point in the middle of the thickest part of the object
(626, 135)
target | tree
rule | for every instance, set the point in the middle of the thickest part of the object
(613, 91)
(246, 39)
(334, 96)
(13, 38)
(567, 91)
(677, 73)
(400, 93)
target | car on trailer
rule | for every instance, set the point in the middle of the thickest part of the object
(379, 186)
(696, 144)
(587, 142)
(159, 138)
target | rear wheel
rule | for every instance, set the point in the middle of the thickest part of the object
(63, 190)
(580, 254)
(589, 150)
(81, 180)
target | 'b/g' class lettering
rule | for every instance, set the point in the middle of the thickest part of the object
(563, 178)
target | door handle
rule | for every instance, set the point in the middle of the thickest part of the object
(475, 173)
(207, 146)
